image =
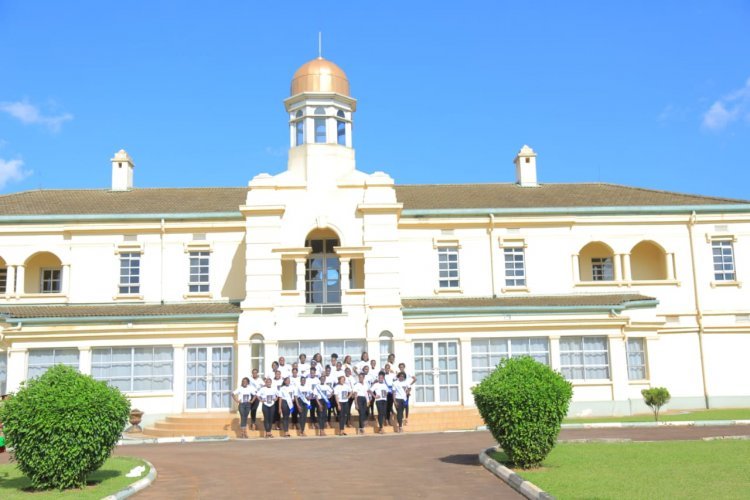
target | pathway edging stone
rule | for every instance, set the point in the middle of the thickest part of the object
(518, 483)
(137, 486)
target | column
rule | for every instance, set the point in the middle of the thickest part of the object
(626, 274)
(65, 277)
(344, 261)
(178, 380)
(300, 266)
(243, 360)
(467, 380)
(554, 352)
(618, 369)
(670, 267)
(16, 369)
(10, 282)
(618, 266)
(271, 355)
(576, 270)
(84, 360)
(20, 277)
(404, 354)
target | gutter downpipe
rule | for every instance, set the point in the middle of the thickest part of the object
(490, 232)
(161, 261)
(698, 310)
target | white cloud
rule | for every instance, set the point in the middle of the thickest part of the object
(28, 114)
(12, 170)
(731, 107)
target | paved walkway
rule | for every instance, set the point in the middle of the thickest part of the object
(392, 466)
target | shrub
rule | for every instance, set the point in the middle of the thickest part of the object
(63, 426)
(655, 398)
(523, 403)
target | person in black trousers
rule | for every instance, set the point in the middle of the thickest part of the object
(268, 395)
(343, 402)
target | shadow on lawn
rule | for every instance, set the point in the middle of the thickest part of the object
(465, 459)
(21, 483)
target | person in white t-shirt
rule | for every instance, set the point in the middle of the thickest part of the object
(286, 404)
(351, 379)
(256, 381)
(244, 396)
(285, 369)
(401, 390)
(334, 360)
(304, 399)
(363, 361)
(361, 395)
(379, 392)
(324, 393)
(347, 363)
(402, 368)
(268, 395)
(312, 381)
(303, 365)
(343, 394)
(389, 378)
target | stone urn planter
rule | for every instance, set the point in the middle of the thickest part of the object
(136, 416)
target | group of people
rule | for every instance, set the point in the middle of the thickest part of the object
(293, 395)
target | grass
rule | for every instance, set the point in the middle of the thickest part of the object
(665, 469)
(722, 414)
(109, 479)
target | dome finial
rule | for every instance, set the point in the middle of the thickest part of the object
(320, 45)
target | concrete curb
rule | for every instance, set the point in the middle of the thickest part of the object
(525, 488)
(182, 439)
(629, 425)
(136, 486)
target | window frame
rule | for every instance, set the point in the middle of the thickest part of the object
(51, 280)
(56, 351)
(133, 377)
(3, 279)
(643, 352)
(320, 135)
(584, 366)
(722, 275)
(513, 280)
(600, 271)
(130, 288)
(487, 367)
(449, 272)
(200, 286)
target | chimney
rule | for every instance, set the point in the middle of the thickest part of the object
(122, 171)
(526, 167)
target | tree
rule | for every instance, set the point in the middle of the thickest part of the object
(523, 403)
(63, 426)
(655, 398)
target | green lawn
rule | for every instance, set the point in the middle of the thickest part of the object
(723, 414)
(109, 479)
(666, 469)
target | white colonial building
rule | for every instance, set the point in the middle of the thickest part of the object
(173, 295)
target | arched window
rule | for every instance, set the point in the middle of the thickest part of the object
(386, 348)
(596, 262)
(320, 125)
(257, 352)
(323, 272)
(648, 262)
(299, 128)
(340, 128)
(43, 273)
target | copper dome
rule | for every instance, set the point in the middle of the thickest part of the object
(320, 75)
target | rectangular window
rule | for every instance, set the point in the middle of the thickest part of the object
(299, 128)
(198, 272)
(487, 353)
(351, 347)
(386, 348)
(584, 358)
(51, 280)
(602, 269)
(257, 353)
(723, 254)
(130, 273)
(448, 267)
(40, 360)
(320, 130)
(515, 266)
(134, 369)
(3, 373)
(636, 351)
(3, 279)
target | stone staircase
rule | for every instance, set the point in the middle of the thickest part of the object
(421, 419)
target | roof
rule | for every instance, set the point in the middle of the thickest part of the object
(207, 310)
(227, 200)
(528, 303)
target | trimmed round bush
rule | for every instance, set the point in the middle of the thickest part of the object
(63, 426)
(523, 403)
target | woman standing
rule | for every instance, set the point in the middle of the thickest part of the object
(380, 392)
(256, 382)
(362, 397)
(268, 396)
(324, 393)
(401, 390)
(343, 402)
(244, 396)
(389, 377)
(303, 398)
(286, 404)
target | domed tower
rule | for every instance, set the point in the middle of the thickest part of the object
(320, 118)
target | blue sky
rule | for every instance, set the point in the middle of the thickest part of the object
(651, 94)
